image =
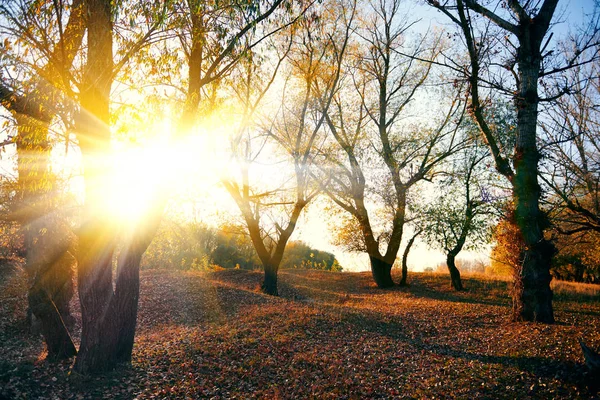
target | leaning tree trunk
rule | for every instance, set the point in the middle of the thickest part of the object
(405, 259)
(533, 296)
(126, 305)
(269, 285)
(454, 272)
(127, 291)
(45, 248)
(382, 272)
(57, 337)
(36, 181)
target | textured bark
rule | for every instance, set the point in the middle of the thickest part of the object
(454, 272)
(536, 294)
(382, 272)
(126, 300)
(532, 296)
(94, 278)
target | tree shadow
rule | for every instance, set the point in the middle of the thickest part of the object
(570, 373)
(492, 293)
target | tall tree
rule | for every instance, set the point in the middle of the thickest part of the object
(108, 315)
(457, 222)
(296, 129)
(384, 84)
(528, 62)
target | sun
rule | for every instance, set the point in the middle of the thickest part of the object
(139, 177)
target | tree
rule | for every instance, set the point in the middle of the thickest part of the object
(450, 221)
(529, 25)
(53, 34)
(108, 315)
(365, 124)
(295, 129)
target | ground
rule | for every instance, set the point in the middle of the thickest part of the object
(329, 335)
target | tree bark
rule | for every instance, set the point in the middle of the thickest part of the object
(98, 336)
(382, 272)
(535, 293)
(454, 272)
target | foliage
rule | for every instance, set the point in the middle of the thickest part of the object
(445, 221)
(508, 244)
(578, 257)
(197, 246)
(11, 238)
(299, 255)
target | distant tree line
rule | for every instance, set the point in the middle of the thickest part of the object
(197, 246)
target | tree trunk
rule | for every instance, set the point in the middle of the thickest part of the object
(403, 280)
(96, 240)
(454, 272)
(382, 272)
(405, 259)
(534, 296)
(58, 340)
(126, 301)
(98, 335)
(269, 285)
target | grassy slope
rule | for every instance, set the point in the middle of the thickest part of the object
(329, 335)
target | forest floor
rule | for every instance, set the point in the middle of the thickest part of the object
(329, 335)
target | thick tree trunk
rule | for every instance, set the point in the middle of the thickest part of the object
(454, 272)
(382, 272)
(48, 299)
(533, 295)
(269, 285)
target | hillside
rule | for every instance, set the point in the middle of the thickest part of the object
(329, 335)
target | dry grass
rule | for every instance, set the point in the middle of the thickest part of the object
(578, 292)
